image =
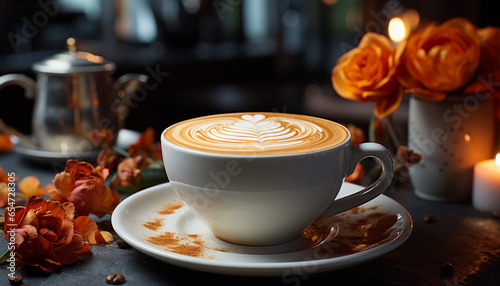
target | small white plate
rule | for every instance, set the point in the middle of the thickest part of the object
(155, 222)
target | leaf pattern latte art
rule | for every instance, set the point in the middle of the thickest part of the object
(255, 131)
(247, 133)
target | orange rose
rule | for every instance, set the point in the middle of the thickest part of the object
(367, 73)
(488, 80)
(439, 58)
(489, 41)
(83, 185)
(44, 236)
(489, 63)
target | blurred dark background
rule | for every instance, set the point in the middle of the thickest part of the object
(221, 55)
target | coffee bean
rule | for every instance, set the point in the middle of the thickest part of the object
(16, 279)
(447, 269)
(115, 279)
(430, 218)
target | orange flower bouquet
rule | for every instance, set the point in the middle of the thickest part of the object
(452, 71)
(48, 234)
(454, 57)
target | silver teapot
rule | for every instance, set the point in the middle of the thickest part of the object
(75, 108)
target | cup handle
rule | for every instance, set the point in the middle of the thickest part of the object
(375, 189)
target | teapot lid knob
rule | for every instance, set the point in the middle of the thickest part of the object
(72, 44)
(73, 61)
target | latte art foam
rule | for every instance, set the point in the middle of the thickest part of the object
(256, 133)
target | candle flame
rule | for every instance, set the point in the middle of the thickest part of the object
(397, 30)
(497, 160)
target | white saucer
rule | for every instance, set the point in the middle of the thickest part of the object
(137, 219)
(124, 139)
(43, 156)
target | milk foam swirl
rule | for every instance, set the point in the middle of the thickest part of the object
(258, 133)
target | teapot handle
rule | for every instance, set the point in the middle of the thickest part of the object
(25, 82)
(29, 86)
(127, 83)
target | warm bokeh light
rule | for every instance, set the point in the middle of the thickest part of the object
(497, 160)
(397, 30)
(330, 2)
(467, 137)
(411, 18)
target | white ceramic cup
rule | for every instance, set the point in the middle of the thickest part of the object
(269, 199)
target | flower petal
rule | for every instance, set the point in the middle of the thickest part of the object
(107, 237)
(6, 145)
(86, 227)
(63, 185)
(4, 192)
(69, 208)
(388, 105)
(427, 94)
(30, 186)
(86, 196)
(109, 200)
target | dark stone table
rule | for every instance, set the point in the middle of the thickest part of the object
(462, 236)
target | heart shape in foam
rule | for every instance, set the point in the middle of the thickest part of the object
(253, 118)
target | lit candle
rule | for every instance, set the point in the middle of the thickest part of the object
(486, 190)
(397, 30)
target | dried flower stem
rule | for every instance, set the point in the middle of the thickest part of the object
(121, 151)
(127, 154)
(395, 132)
(4, 257)
(23, 138)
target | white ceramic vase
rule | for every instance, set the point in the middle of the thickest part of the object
(451, 135)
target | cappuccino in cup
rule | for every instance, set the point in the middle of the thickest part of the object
(257, 134)
(262, 178)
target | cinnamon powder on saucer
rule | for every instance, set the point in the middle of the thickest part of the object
(176, 243)
(153, 225)
(353, 231)
(172, 241)
(170, 208)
